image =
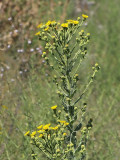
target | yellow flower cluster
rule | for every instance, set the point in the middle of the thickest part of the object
(54, 128)
(65, 25)
(53, 24)
(47, 24)
(72, 22)
(46, 129)
(50, 23)
(64, 122)
(41, 129)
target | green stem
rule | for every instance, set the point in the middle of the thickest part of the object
(87, 86)
(74, 32)
(8, 157)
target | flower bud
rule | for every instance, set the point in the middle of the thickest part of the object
(57, 150)
(59, 111)
(75, 108)
(82, 146)
(68, 99)
(71, 144)
(88, 36)
(44, 54)
(81, 33)
(66, 114)
(46, 58)
(78, 40)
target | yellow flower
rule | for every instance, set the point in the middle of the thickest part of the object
(53, 22)
(48, 124)
(64, 122)
(33, 134)
(84, 16)
(5, 107)
(64, 134)
(48, 23)
(41, 135)
(70, 21)
(38, 33)
(75, 22)
(46, 127)
(54, 107)
(64, 25)
(54, 128)
(27, 133)
(40, 127)
(46, 29)
(41, 131)
(40, 25)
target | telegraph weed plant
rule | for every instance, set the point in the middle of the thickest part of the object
(60, 141)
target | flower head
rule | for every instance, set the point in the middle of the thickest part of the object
(75, 22)
(46, 29)
(84, 16)
(50, 23)
(33, 134)
(64, 134)
(38, 33)
(54, 107)
(27, 133)
(40, 127)
(41, 135)
(53, 22)
(54, 128)
(40, 25)
(46, 127)
(64, 25)
(64, 122)
(96, 64)
(41, 131)
(5, 107)
(70, 21)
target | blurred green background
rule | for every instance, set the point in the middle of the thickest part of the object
(26, 88)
